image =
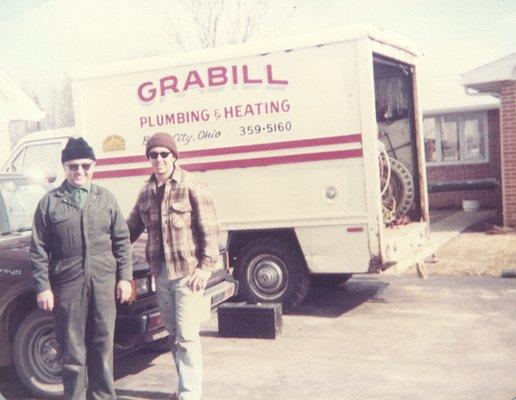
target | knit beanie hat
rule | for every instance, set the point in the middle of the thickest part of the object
(77, 148)
(161, 139)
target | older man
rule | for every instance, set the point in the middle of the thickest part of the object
(80, 249)
(182, 248)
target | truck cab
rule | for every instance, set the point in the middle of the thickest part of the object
(38, 155)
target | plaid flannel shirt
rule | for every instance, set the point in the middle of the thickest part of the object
(188, 224)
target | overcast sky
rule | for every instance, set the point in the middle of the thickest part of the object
(454, 36)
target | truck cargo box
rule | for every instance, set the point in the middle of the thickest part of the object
(312, 147)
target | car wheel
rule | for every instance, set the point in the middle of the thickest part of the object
(37, 355)
(271, 271)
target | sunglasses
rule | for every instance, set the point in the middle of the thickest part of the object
(75, 167)
(154, 154)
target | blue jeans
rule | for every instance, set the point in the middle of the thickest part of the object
(181, 310)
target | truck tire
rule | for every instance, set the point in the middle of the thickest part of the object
(402, 186)
(271, 271)
(36, 355)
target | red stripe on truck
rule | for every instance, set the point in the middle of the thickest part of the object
(243, 163)
(354, 138)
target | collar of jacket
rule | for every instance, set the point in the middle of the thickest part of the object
(71, 188)
(175, 179)
(61, 190)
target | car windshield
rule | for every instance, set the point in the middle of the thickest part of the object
(18, 200)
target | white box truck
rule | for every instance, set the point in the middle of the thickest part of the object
(311, 146)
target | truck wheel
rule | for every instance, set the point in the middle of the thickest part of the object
(271, 271)
(37, 355)
(159, 346)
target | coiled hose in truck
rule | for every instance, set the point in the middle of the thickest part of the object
(396, 186)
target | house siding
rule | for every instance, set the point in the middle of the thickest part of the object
(508, 146)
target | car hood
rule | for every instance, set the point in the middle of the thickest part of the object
(15, 248)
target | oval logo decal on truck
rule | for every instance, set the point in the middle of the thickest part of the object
(113, 143)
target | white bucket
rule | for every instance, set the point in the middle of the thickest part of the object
(470, 205)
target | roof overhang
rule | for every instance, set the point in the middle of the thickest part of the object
(490, 77)
(461, 109)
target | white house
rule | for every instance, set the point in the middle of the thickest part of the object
(15, 105)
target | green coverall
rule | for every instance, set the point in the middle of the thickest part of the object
(80, 253)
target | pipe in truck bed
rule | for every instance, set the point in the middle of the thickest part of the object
(473, 184)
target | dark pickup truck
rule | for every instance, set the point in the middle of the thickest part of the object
(27, 337)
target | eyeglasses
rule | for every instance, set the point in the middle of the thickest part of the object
(75, 167)
(154, 154)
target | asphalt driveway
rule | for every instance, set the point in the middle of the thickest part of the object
(378, 337)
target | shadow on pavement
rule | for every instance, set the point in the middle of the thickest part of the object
(206, 333)
(133, 363)
(333, 301)
(11, 387)
(125, 394)
(130, 364)
(322, 301)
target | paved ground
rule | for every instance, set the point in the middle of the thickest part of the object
(379, 337)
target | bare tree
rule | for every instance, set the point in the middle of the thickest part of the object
(206, 17)
(245, 21)
(188, 24)
(219, 22)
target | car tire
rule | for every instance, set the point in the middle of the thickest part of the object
(37, 356)
(269, 270)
